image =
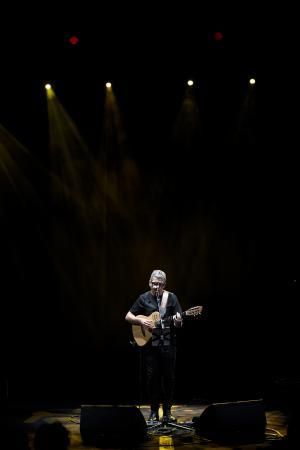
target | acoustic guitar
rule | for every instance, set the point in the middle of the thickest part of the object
(142, 334)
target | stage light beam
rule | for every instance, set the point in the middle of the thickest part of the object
(49, 90)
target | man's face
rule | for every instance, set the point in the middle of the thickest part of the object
(157, 285)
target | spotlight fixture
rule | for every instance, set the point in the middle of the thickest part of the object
(218, 36)
(74, 40)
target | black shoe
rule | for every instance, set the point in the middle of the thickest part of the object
(169, 418)
(153, 416)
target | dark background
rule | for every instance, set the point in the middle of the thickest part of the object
(196, 188)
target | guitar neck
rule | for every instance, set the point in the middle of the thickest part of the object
(195, 311)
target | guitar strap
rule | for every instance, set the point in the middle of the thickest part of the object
(163, 305)
(164, 300)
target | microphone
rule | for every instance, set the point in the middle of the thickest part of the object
(157, 296)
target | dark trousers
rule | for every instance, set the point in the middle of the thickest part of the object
(160, 371)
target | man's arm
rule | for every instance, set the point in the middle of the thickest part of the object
(131, 318)
(134, 320)
(177, 318)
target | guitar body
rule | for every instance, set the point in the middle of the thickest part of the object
(143, 334)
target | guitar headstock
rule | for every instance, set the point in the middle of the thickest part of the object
(194, 311)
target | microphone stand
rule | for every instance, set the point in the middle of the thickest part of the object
(163, 425)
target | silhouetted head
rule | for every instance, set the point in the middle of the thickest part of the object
(51, 436)
(16, 437)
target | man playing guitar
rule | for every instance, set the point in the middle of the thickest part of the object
(156, 314)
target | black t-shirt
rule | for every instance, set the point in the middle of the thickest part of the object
(146, 304)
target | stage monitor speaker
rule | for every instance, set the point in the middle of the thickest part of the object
(242, 419)
(106, 424)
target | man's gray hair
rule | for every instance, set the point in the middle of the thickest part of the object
(158, 274)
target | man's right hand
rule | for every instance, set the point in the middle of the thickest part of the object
(146, 322)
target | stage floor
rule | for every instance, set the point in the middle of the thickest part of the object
(162, 437)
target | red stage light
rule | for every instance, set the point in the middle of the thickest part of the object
(74, 40)
(218, 36)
